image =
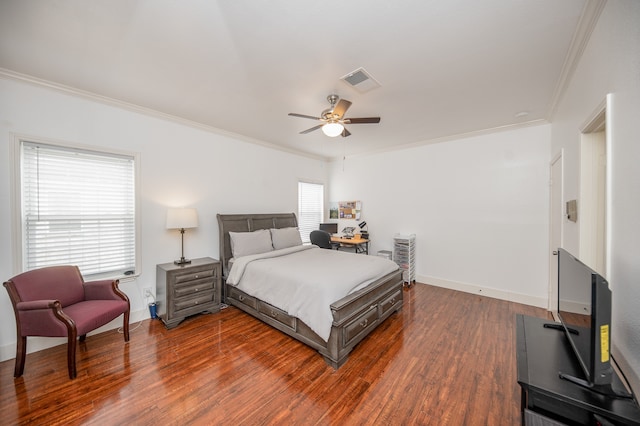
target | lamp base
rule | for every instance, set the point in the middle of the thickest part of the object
(182, 261)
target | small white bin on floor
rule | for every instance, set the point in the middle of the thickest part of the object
(385, 253)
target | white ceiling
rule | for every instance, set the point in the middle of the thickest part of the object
(446, 67)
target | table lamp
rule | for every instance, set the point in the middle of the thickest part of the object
(364, 233)
(182, 219)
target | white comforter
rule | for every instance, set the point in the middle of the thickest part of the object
(305, 280)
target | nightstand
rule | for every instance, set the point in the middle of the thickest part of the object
(185, 290)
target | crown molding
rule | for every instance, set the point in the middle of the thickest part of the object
(458, 136)
(587, 23)
(72, 91)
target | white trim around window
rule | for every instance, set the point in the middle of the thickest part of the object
(310, 207)
(75, 204)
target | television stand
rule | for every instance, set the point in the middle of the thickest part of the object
(541, 353)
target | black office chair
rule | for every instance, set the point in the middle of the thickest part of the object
(321, 238)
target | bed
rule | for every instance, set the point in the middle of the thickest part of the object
(353, 317)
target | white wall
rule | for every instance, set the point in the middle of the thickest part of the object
(180, 166)
(479, 208)
(611, 64)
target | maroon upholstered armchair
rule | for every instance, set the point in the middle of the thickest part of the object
(56, 302)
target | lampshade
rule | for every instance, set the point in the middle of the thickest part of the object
(182, 218)
(332, 129)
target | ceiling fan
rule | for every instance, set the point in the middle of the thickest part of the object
(333, 119)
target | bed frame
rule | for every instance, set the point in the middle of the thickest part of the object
(354, 316)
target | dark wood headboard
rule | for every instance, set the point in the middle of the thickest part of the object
(248, 223)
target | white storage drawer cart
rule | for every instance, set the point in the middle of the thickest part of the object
(404, 254)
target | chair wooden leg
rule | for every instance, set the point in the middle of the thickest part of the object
(125, 326)
(21, 353)
(71, 354)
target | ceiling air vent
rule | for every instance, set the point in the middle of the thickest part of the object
(361, 80)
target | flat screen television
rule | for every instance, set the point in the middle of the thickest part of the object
(584, 309)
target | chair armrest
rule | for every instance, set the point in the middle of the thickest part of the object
(32, 305)
(103, 290)
(43, 318)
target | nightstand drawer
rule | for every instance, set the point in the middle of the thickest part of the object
(181, 278)
(192, 287)
(200, 301)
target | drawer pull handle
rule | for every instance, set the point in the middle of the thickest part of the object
(196, 289)
(393, 301)
(196, 302)
(241, 298)
(364, 323)
(197, 276)
(274, 314)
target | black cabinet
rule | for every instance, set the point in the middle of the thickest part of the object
(542, 353)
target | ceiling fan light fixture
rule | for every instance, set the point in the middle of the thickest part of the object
(332, 120)
(332, 129)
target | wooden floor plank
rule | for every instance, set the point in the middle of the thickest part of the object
(447, 358)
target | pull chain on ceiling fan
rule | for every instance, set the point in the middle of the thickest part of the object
(333, 119)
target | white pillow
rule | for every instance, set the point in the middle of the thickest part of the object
(285, 237)
(246, 243)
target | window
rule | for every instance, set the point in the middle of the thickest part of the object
(78, 207)
(310, 208)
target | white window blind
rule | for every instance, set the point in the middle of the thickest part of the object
(78, 208)
(310, 208)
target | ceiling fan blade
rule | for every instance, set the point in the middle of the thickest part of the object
(293, 114)
(342, 107)
(362, 120)
(311, 129)
(345, 133)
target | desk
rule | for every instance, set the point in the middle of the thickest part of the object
(361, 245)
(541, 354)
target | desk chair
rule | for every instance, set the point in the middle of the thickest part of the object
(322, 239)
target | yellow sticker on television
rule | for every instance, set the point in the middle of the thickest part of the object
(604, 343)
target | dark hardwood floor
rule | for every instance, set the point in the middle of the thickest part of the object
(447, 358)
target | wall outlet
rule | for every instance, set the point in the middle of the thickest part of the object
(147, 292)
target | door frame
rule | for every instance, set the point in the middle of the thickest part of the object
(555, 205)
(594, 191)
